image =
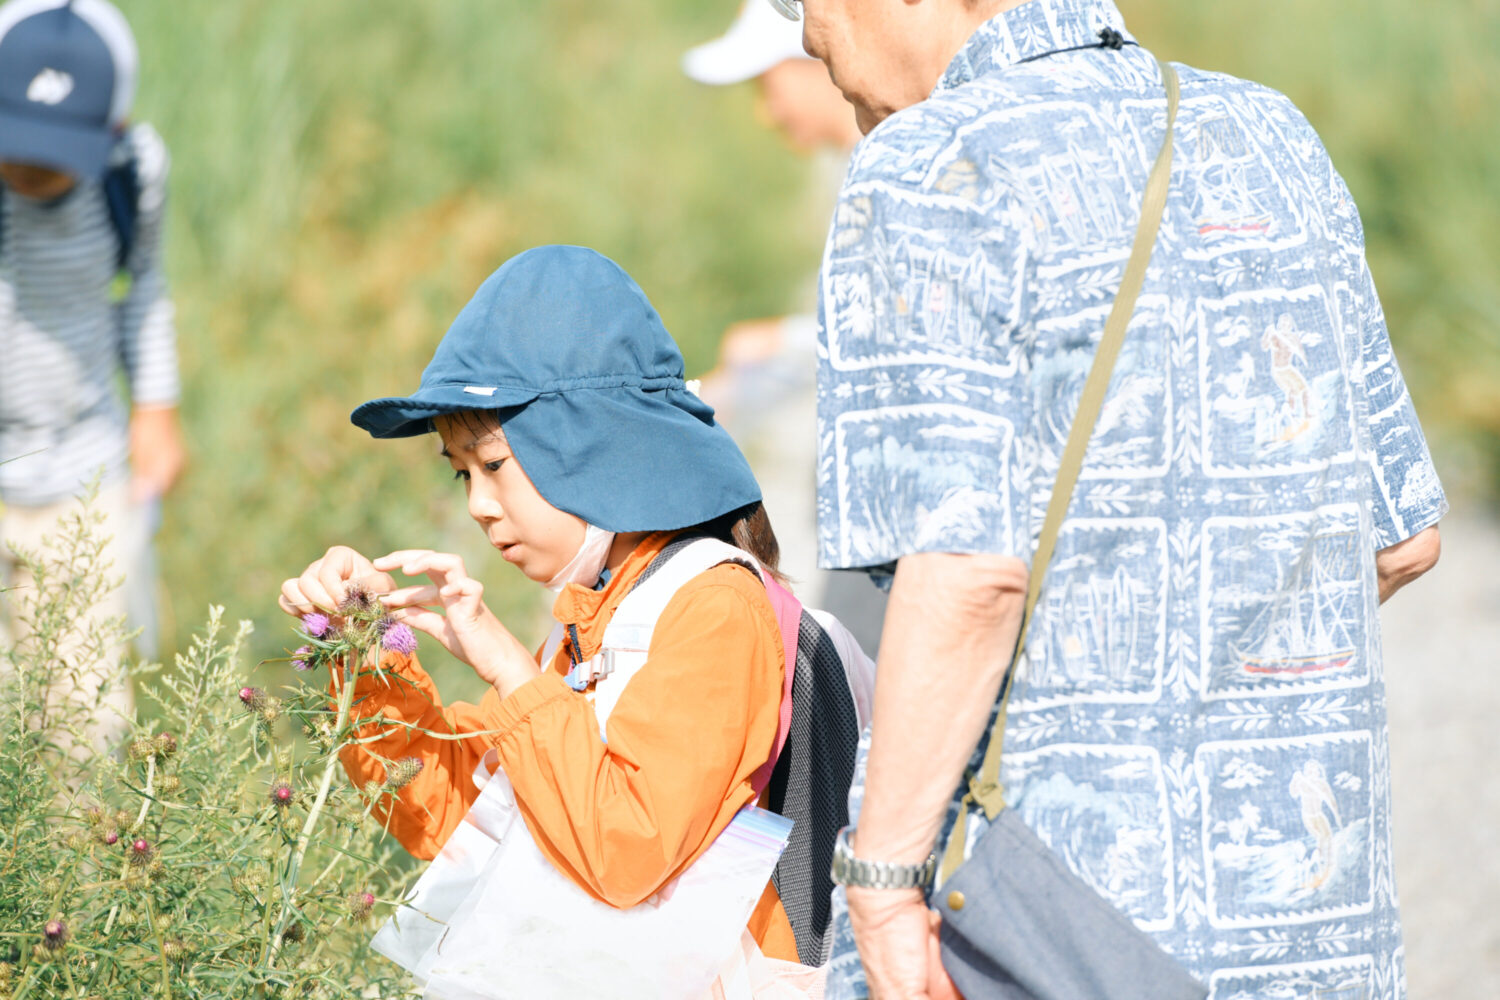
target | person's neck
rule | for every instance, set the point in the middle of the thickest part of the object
(621, 547)
(949, 26)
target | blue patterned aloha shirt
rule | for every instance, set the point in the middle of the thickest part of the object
(1198, 727)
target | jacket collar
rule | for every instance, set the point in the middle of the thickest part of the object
(590, 610)
(1034, 29)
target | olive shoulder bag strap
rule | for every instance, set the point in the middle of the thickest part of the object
(1018, 923)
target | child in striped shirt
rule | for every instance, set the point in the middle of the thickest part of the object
(81, 205)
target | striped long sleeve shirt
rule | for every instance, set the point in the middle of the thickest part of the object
(64, 340)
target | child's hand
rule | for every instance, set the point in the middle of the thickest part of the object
(327, 581)
(466, 628)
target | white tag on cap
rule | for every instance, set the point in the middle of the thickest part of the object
(480, 390)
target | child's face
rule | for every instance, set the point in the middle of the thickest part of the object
(529, 532)
(41, 183)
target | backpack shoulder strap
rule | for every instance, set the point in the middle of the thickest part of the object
(635, 619)
(122, 197)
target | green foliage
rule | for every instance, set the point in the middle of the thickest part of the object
(347, 171)
(217, 859)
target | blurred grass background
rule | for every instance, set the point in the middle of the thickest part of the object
(346, 172)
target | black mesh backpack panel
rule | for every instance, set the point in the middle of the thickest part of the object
(810, 785)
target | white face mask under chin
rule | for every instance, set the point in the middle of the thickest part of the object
(588, 564)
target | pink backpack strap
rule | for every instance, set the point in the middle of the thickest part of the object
(789, 617)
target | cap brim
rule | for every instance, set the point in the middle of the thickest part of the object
(408, 416)
(734, 59)
(82, 152)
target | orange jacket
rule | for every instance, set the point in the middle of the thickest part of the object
(619, 818)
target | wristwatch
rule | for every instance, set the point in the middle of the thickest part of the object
(852, 871)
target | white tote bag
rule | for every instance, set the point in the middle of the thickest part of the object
(492, 919)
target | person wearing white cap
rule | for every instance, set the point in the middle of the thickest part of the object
(764, 386)
(83, 301)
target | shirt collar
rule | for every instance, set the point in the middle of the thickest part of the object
(590, 610)
(1034, 29)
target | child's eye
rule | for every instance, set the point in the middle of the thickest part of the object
(461, 474)
(494, 466)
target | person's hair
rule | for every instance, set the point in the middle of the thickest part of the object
(748, 529)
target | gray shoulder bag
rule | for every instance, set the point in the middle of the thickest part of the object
(1018, 924)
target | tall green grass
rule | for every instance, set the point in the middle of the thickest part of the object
(347, 171)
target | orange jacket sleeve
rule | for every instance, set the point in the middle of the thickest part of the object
(690, 729)
(422, 814)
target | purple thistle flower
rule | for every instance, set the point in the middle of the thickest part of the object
(300, 658)
(315, 624)
(397, 637)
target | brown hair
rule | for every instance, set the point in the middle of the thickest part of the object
(748, 529)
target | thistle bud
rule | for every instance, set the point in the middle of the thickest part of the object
(123, 819)
(400, 773)
(294, 932)
(252, 697)
(175, 949)
(168, 784)
(95, 815)
(357, 601)
(109, 836)
(55, 934)
(270, 710)
(315, 624)
(51, 886)
(166, 744)
(361, 904)
(283, 757)
(140, 851)
(282, 793)
(156, 871)
(141, 749)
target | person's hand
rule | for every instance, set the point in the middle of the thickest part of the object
(466, 628)
(157, 454)
(327, 581)
(898, 943)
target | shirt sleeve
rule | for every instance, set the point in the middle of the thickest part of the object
(924, 399)
(622, 817)
(1406, 496)
(414, 723)
(146, 316)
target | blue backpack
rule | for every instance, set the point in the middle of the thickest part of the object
(122, 196)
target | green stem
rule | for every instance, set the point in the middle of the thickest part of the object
(294, 866)
(114, 911)
(161, 949)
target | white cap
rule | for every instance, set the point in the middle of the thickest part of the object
(757, 40)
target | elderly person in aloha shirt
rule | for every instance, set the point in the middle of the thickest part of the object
(1197, 725)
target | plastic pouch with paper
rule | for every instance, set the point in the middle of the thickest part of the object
(523, 929)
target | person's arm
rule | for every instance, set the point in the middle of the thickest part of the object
(1400, 564)
(414, 724)
(623, 817)
(949, 629)
(148, 333)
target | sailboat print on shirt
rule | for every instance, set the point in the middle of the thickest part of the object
(1303, 629)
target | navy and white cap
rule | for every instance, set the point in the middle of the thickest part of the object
(67, 80)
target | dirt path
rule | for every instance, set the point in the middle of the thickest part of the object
(1442, 656)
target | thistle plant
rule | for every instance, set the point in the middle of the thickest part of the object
(218, 852)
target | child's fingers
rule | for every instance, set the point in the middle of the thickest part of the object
(395, 560)
(314, 591)
(441, 566)
(423, 620)
(291, 600)
(410, 596)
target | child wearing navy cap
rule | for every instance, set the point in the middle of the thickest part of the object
(591, 466)
(82, 197)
